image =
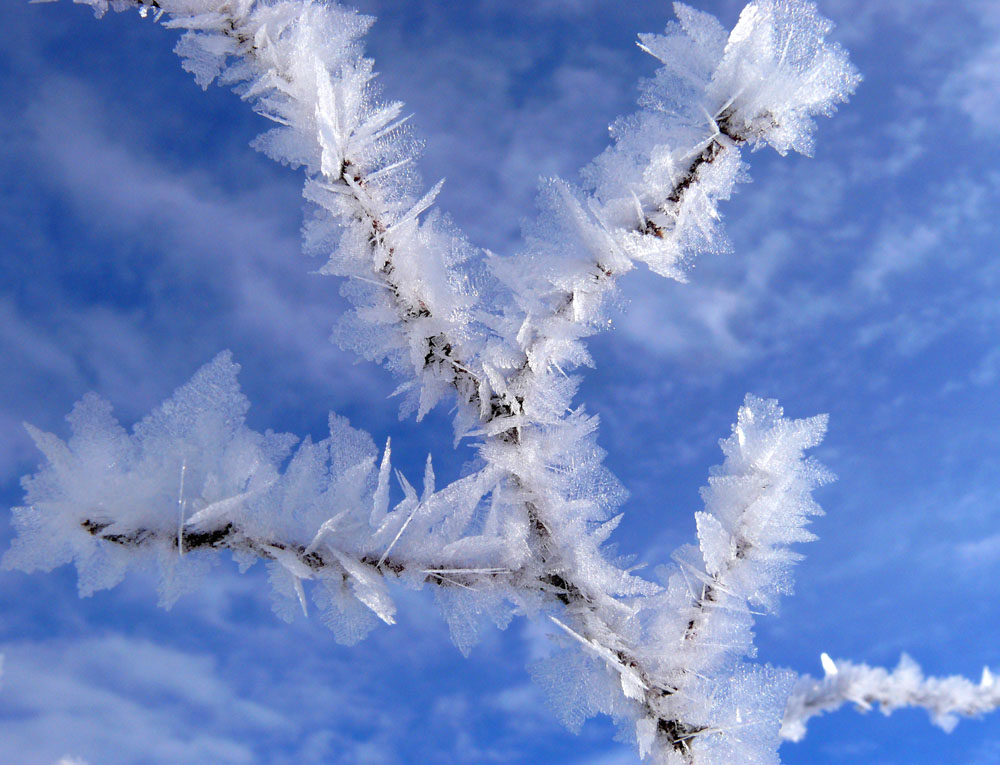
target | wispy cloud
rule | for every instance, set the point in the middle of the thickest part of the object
(115, 699)
(974, 86)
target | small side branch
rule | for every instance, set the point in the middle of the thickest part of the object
(946, 699)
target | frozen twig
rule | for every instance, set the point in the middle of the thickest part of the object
(944, 698)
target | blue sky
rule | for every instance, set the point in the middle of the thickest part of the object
(139, 235)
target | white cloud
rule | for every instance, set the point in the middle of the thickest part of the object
(116, 699)
(976, 89)
(974, 84)
(232, 244)
(896, 251)
(980, 553)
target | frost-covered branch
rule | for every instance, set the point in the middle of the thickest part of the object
(704, 703)
(193, 479)
(945, 698)
(301, 65)
(654, 195)
(525, 530)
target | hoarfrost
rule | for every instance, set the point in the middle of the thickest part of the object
(524, 529)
